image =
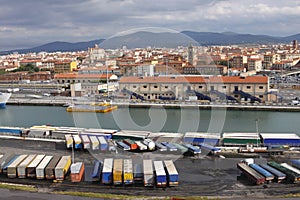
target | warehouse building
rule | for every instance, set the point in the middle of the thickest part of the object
(211, 88)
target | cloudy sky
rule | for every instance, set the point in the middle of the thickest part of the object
(28, 23)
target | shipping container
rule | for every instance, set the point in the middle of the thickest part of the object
(11, 130)
(295, 170)
(169, 146)
(69, 141)
(94, 143)
(12, 168)
(291, 176)
(182, 149)
(194, 150)
(41, 168)
(50, 169)
(269, 177)
(160, 174)
(131, 144)
(118, 172)
(132, 135)
(123, 146)
(107, 171)
(85, 142)
(296, 163)
(62, 167)
(149, 143)
(278, 175)
(22, 167)
(148, 173)
(7, 162)
(103, 143)
(160, 147)
(253, 176)
(200, 138)
(97, 170)
(77, 142)
(141, 146)
(111, 145)
(138, 173)
(77, 172)
(128, 172)
(172, 174)
(31, 168)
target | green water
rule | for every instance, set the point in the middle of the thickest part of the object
(157, 120)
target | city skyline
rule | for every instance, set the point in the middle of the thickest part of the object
(28, 24)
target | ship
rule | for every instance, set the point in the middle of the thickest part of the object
(3, 99)
(91, 108)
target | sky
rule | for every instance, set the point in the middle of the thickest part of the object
(29, 23)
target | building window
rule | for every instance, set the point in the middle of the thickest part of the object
(200, 87)
(134, 86)
(166, 87)
(145, 86)
(155, 86)
(224, 86)
(248, 87)
(261, 87)
(261, 96)
(236, 96)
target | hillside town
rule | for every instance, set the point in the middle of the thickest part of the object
(233, 73)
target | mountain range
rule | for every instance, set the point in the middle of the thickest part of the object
(164, 39)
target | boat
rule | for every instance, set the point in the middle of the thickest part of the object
(3, 99)
(89, 108)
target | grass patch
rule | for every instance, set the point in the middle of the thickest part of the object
(297, 195)
(18, 187)
(99, 195)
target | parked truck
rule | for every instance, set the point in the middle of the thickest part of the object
(128, 172)
(77, 172)
(148, 173)
(22, 168)
(118, 172)
(41, 168)
(62, 168)
(31, 168)
(50, 169)
(12, 168)
(160, 174)
(172, 174)
(107, 171)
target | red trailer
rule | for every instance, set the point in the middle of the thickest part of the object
(131, 144)
(253, 176)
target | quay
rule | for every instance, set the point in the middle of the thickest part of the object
(53, 101)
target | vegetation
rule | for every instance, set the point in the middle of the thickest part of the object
(99, 195)
(18, 187)
(29, 67)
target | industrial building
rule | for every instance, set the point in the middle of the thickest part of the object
(210, 88)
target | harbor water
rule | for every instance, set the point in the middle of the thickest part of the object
(155, 120)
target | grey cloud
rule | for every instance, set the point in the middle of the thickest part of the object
(33, 21)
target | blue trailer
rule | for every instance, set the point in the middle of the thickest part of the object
(123, 146)
(209, 148)
(97, 170)
(170, 146)
(103, 143)
(138, 173)
(269, 177)
(11, 130)
(161, 177)
(278, 175)
(172, 174)
(193, 149)
(107, 171)
(160, 147)
(296, 163)
(7, 162)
